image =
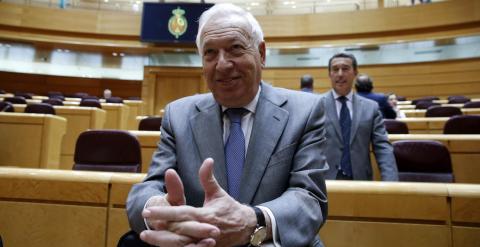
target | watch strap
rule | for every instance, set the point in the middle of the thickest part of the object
(260, 217)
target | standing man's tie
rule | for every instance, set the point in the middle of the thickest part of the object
(235, 151)
(345, 124)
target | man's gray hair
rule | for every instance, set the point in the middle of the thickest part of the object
(227, 9)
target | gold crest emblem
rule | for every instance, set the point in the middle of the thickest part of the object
(177, 24)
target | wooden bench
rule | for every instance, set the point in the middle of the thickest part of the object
(31, 140)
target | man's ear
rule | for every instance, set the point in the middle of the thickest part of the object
(262, 50)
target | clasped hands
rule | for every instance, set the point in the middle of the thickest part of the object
(222, 221)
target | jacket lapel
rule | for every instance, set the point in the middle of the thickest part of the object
(270, 121)
(357, 107)
(207, 132)
(331, 109)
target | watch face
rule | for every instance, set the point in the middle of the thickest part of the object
(258, 236)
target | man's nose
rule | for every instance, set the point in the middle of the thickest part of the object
(224, 62)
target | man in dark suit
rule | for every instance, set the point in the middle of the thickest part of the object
(235, 176)
(353, 123)
(364, 87)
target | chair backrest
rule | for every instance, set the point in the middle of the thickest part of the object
(401, 98)
(426, 98)
(107, 150)
(53, 101)
(24, 95)
(79, 95)
(114, 100)
(150, 124)
(458, 99)
(53, 94)
(425, 104)
(43, 108)
(464, 124)
(395, 126)
(472, 104)
(443, 111)
(2, 91)
(91, 103)
(6, 106)
(16, 100)
(90, 97)
(134, 98)
(423, 161)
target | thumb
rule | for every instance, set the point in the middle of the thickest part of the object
(175, 193)
(208, 181)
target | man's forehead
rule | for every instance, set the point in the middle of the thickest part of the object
(341, 61)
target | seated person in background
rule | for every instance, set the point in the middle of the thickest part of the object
(265, 182)
(107, 93)
(353, 124)
(306, 83)
(392, 100)
(364, 87)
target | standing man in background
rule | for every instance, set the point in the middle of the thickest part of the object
(352, 124)
(243, 165)
(364, 87)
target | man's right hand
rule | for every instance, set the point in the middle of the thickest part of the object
(175, 232)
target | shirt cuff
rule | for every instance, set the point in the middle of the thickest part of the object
(276, 241)
(145, 220)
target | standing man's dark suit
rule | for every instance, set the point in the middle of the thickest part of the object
(367, 127)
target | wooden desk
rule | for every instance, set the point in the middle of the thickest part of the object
(379, 214)
(148, 142)
(79, 119)
(31, 140)
(87, 208)
(423, 125)
(465, 202)
(421, 112)
(117, 116)
(135, 109)
(41, 207)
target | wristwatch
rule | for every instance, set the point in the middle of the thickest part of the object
(260, 232)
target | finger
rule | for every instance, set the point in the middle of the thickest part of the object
(172, 213)
(208, 181)
(175, 195)
(209, 242)
(194, 229)
(164, 238)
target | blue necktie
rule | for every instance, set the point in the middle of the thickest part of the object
(345, 124)
(235, 151)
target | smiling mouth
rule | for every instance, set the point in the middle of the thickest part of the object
(227, 80)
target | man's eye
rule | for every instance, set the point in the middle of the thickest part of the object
(208, 52)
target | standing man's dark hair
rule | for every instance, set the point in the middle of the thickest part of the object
(306, 83)
(343, 55)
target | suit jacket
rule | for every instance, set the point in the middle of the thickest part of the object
(284, 166)
(367, 128)
(382, 100)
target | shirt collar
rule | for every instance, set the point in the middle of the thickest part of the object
(250, 106)
(349, 96)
